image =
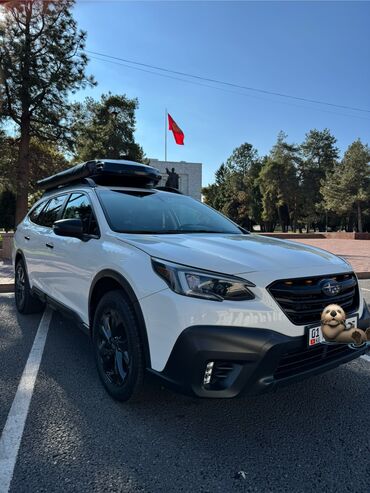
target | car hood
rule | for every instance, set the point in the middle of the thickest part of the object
(236, 254)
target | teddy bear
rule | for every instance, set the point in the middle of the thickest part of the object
(333, 327)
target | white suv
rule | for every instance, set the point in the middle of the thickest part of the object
(166, 285)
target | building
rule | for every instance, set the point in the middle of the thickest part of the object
(187, 175)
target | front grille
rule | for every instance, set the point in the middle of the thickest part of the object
(306, 359)
(303, 301)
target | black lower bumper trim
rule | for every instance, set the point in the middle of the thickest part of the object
(247, 360)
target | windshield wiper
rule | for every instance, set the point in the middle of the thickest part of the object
(173, 231)
(201, 231)
(149, 232)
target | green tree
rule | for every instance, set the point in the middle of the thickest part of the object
(211, 195)
(45, 160)
(41, 62)
(319, 156)
(347, 188)
(240, 189)
(279, 185)
(236, 192)
(216, 194)
(105, 129)
(8, 158)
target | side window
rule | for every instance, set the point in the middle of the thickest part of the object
(52, 210)
(34, 215)
(79, 207)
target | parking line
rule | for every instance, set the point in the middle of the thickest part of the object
(366, 357)
(364, 289)
(13, 430)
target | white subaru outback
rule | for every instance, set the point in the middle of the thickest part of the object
(166, 285)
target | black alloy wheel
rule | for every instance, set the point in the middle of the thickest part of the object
(117, 347)
(20, 286)
(113, 347)
(24, 301)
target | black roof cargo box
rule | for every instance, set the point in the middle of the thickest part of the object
(105, 172)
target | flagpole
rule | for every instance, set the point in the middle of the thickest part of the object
(165, 135)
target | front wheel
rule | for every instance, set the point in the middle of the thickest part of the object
(117, 347)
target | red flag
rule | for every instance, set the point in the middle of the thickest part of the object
(177, 132)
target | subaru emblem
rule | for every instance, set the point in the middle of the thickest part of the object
(330, 287)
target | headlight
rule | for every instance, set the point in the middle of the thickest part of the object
(202, 284)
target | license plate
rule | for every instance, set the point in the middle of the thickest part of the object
(315, 335)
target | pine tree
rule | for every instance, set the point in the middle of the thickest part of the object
(319, 156)
(347, 188)
(105, 129)
(41, 61)
(242, 192)
(279, 185)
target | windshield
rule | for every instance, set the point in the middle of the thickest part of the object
(161, 213)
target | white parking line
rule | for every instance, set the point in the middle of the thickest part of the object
(13, 430)
(364, 289)
(366, 357)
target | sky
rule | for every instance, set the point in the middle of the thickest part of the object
(314, 50)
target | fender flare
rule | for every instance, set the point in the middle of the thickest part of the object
(129, 292)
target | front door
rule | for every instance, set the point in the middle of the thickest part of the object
(75, 259)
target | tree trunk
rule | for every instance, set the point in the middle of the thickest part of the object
(359, 218)
(23, 171)
(23, 164)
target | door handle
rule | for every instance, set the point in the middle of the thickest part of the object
(27, 238)
(49, 245)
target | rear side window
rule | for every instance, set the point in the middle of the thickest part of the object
(79, 207)
(52, 211)
(35, 213)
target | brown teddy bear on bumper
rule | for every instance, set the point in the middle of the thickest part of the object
(333, 327)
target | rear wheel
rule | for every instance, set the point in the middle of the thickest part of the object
(117, 347)
(24, 301)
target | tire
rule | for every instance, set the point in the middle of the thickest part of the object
(118, 349)
(24, 301)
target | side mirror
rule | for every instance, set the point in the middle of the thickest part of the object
(69, 227)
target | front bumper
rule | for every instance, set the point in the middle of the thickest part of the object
(248, 360)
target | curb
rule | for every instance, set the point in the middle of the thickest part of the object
(7, 288)
(363, 275)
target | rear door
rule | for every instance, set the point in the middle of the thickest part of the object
(41, 257)
(28, 238)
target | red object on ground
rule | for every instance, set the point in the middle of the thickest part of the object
(177, 132)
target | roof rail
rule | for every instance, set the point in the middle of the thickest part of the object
(84, 181)
(104, 172)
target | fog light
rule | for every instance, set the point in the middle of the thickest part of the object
(208, 373)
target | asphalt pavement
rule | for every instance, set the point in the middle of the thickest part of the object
(311, 436)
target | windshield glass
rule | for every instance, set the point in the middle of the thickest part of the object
(161, 213)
